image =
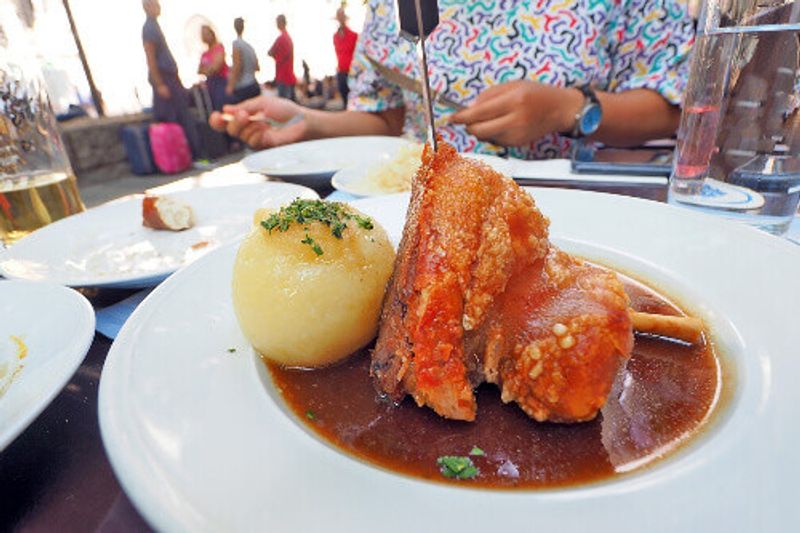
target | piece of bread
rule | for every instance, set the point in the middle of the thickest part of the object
(164, 213)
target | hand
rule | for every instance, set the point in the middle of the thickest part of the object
(520, 112)
(259, 134)
(163, 91)
(229, 90)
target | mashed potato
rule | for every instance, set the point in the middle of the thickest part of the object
(394, 175)
(308, 282)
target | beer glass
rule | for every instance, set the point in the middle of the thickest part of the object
(37, 185)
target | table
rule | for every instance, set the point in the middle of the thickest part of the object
(56, 475)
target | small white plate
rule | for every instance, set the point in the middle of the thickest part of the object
(351, 179)
(55, 326)
(108, 247)
(312, 163)
(200, 441)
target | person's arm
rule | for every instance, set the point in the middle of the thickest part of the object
(274, 48)
(316, 124)
(236, 71)
(520, 112)
(152, 67)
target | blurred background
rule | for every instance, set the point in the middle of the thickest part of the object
(110, 32)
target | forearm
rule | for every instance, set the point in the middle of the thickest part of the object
(632, 117)
(233, 77)
(321, 124)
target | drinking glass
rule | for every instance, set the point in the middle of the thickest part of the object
(37, 185)
(738, 144)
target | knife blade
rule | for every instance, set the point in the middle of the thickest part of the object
(410, 84)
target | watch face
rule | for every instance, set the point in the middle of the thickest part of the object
(590, 119)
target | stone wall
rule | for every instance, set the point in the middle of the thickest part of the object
(94, 143)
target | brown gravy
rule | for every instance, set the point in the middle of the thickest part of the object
(667, 391)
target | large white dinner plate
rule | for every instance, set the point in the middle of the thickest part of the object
(312, 163)
(201, 442)
(352, 179)
(55, 326)
(108, 247)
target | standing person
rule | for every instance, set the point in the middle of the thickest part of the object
(242, 83)
(344, 42)
(282, 52)
(170, 99)
(213, 67)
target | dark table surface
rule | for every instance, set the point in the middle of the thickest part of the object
(56, 476)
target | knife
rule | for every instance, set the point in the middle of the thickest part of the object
(410, 84)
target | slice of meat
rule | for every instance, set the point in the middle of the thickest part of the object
(557, 338)
(469, 229)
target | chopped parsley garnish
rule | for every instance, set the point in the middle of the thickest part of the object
(456, 467)
(231, 350)
(314, 246)
(310, 415)
(476, 451)
(335, 215)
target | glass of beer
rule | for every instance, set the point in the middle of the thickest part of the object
(37, 185)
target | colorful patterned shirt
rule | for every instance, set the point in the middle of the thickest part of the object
(615, 45)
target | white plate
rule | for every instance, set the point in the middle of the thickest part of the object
(200, 443)
(108, 247)
(351, 179)
(56, 326)
(312, 163)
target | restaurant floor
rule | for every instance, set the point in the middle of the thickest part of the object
(110, 183)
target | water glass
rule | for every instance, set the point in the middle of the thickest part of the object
(739, 137)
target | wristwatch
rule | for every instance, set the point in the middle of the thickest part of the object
(587, 120)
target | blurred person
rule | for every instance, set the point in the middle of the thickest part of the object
(282, 52)
(535, 76)
(170, 98)
(242, 83)
(213, 67)
(344, 43)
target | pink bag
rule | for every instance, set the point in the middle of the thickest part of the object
(171, 152)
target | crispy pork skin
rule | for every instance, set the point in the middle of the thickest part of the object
(468, 230)
(479, 294)
(557, 338)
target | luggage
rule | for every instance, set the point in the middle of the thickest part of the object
(170, 148)
(213, 144)
(136, 141)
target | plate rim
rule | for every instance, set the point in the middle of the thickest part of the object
(77, 352)
(319, 174)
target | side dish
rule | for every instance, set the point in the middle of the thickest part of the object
(394, 175)
(309, 280)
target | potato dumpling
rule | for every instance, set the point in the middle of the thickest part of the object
(308, 282)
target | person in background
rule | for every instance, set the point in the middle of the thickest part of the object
(213, 67)
(242, 83)
(170, 98)
(344, 42)
(282, 52)
(535, 77)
